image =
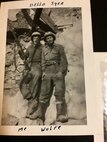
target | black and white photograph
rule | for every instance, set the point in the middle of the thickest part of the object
(49, 83)
(44, 67)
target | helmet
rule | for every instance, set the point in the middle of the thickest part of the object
(35, 34)
(49, 34)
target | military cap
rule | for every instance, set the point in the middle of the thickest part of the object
(35, 34)
(49, 34)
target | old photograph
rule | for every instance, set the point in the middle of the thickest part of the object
(44, 79)
(50, 79)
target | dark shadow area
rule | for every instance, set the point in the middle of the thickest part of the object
(87, 138)
(99, 25)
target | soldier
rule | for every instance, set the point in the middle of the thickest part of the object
(54, 67)
(33, 55)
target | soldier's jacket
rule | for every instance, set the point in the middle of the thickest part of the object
(30, 82)
(38, 54)
(54, 54)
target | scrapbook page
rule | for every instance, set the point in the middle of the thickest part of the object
(101, 65)
(47, 74)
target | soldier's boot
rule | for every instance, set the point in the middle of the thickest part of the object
(40, 113)
(61, 117)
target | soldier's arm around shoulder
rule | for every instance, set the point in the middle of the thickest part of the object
(63, 60)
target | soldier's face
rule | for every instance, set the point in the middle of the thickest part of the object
(36, 39)
(50, 40)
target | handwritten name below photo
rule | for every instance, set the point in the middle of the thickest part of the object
(49, 128)
(43, 4)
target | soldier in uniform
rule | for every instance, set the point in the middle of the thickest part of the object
(54, 68)
(33, 55)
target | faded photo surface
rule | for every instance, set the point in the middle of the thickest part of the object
(66, 26)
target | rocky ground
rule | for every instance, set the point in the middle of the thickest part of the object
(14, 106)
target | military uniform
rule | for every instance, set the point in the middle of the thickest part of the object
(36, 72)
(53, 61)
(54, 68)
(35, 67)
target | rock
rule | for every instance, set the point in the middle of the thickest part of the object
(10, 120)
(12, 68)
(71, 122)
(15, 105)
(26, 121)
(77, 111)
(51, 112)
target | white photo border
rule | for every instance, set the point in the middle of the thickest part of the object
(94, 125)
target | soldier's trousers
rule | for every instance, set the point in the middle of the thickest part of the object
(36, 81)
(51, 81)
(34, 86)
